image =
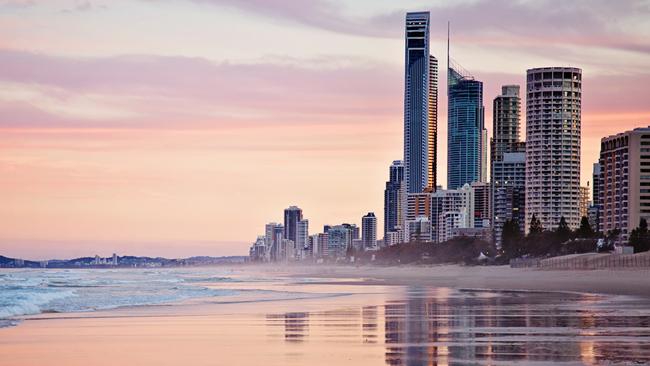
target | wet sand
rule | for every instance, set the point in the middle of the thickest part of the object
(354, 322)
(617, 282)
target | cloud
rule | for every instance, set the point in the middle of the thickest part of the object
(594, 23)
(172, 89)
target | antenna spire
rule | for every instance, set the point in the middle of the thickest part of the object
(448, 66)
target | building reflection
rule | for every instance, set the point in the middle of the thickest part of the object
(450, 327)
(296, 325)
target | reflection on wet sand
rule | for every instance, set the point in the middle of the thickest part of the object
(449, 327)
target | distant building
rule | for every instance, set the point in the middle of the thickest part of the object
(553, 116)
(418, 204)
(258, 250)
(302, 239)
(394, 237)
(274, 233)
(114, 259)
(339, 240)
(484, 233)
(292, 215)
(419, 229)
(482, 204)
(583, 203)
(450, 209)
(624, 183)
(369, 231)
(393, 197)
(355, 233)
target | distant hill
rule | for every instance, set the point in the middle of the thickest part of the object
(123, 261)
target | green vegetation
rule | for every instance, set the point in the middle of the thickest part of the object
(640, 238)
(543, 243)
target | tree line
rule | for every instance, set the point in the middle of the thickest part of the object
(540, 242)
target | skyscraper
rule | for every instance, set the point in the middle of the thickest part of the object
(393, 200)
(553, 115)
(369, 231)
(292, 215)
(420, 105)
(466, 149)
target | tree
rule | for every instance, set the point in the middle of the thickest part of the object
(535, 226)
(585, 231)
(562, 233)
(511, 240)
(640, 238)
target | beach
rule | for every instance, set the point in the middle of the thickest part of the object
(445, 315)
(617, 282)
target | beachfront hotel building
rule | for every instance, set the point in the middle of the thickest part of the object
(420, 105)
(624, 182)
(553, 115)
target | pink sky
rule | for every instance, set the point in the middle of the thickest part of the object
(180, 127)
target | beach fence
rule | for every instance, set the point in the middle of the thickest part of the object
(587, 261)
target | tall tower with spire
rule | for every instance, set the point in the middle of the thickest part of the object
(466, 133)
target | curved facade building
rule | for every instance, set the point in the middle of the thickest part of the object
(466, 149)
(553, 108)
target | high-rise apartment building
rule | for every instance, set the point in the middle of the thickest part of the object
(466, 148)
(369, 231)
(393, 200)
(420, 105)
(624, 184)
(553, 115)
(292, 215)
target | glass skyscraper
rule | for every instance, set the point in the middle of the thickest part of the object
(420, 105)
(466, 149)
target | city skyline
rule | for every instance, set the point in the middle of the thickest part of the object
(100, 148)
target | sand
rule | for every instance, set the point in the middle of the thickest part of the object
(617, 282)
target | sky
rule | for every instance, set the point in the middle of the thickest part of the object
(181, 127)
